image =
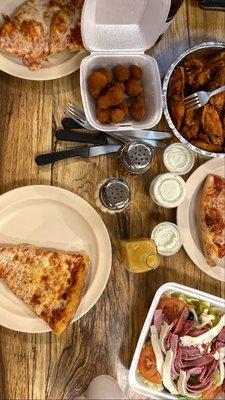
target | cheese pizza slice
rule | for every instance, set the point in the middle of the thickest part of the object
(51, 283)
(41, 28)
(212, 219)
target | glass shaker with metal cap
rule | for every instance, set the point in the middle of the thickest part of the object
(113, 195)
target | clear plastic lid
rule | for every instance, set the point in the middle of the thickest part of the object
(120, 26)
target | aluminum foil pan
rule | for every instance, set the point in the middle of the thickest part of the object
(203, 48)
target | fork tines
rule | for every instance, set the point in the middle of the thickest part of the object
(192, 102)
(76, 114)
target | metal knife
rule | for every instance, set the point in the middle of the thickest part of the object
(69, 123)
(101, 138)
(85, 151)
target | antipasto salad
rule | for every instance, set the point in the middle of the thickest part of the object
(185, 349)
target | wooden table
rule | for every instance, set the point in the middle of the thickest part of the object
(43, 366)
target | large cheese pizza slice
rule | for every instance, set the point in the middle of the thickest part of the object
(41, 28)
(212, 219)
(51, 283)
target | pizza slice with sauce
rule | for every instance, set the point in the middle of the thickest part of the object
(51, 283)
(41, 28)
(212, 219)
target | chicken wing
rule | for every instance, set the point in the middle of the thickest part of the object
(207, 147)
(177, 109)
(177, 84)
(192, 123)
(212, 125)
(218, 102)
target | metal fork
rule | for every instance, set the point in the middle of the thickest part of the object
(199, 99)
(80, 117)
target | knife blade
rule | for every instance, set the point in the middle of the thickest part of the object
(148, 134)
(85, 151)
(99, 139)
(69, 123)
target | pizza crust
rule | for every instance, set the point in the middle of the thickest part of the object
(209, 247)
(75, 298)
(49, 282)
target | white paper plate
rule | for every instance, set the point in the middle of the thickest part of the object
(57, 67)
(187, 217)
(48, 216)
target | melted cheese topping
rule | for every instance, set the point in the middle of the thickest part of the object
(43, 279)
(41, 28)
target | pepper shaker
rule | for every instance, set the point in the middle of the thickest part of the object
(113, 195)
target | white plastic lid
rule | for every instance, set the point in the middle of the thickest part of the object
(178, 158)
(127, 25)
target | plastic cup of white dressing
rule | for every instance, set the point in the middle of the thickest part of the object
(178, 159)
(167, 238)
(168, 190)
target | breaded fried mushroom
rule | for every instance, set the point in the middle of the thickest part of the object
(117, 115)
(137, 108)
(134, 88)
(107, 72)
(136, 72)
(123, 106)
(96, 83)
(121, 73)
(113, 97)
(103, 116)
(119, 85)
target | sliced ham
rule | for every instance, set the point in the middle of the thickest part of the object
(221, 336)
(197, 332)
(199, 362)
(177, 361)
(206, 383)
(188, 326)
(190, 353)
(158, 319)
(219, 345)
(181, 321)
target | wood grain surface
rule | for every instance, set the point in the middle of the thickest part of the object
(102, 342)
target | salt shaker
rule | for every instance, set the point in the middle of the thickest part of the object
(113, 195)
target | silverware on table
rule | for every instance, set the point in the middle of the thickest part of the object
(80, 118)
(200, 99)
(84, 151)
(99, 139)
(70, 124)
(122, 136)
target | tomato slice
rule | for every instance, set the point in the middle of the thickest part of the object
(147, 365)
(172, 307)
(210, 394)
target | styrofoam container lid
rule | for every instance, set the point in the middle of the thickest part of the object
(127, 25)
(134, 381)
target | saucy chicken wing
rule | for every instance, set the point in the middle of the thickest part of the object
(212, 125)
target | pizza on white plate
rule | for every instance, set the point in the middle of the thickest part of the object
(42, 28)
(212, 219)
(51, 283)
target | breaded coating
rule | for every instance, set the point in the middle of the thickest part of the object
(134, 88)
(121, 73)
(113, 97)
(96, 82)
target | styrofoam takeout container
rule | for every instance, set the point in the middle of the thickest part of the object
(134, 380)
(119, 32)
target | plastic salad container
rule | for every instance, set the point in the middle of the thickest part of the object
(134, 380)
(119, 32)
